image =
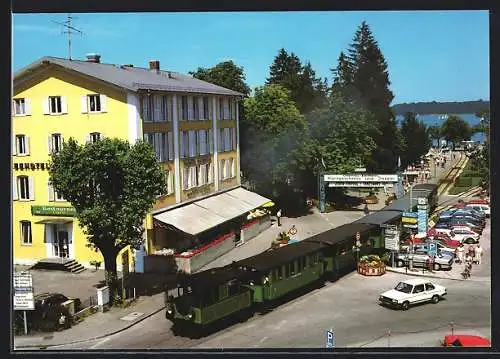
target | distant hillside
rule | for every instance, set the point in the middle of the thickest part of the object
(428, 108)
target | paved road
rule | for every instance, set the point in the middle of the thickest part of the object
(349, 306)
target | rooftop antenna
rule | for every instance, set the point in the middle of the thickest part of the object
(69, 30)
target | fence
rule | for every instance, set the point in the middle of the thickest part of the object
(88, 302)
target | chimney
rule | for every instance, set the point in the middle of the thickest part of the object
(154, 65)
(96, 58)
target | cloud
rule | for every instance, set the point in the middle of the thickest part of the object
(48, 30)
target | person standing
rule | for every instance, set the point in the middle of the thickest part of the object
(478, 253)
(460, 253)
(278, 215)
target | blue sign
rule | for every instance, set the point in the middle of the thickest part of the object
(422, 221)
(330, 339)
(432, 249)
(410, 214)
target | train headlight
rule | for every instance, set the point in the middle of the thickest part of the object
(190, 316)
(170, 311)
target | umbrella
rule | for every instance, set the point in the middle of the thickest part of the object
(268, 204)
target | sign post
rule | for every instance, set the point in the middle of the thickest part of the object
(330, 339)
(23, 295)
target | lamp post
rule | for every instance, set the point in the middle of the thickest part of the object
(321, 186)
(356, 248)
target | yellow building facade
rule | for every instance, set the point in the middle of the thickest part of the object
(191, 124)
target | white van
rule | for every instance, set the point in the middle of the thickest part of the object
(480, 207)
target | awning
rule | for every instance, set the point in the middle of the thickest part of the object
(55, 221)
(207, 213)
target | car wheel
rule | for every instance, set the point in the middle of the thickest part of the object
(405, 305)
(400, 263)
(470, 241)
(437, 266)
(435, 299)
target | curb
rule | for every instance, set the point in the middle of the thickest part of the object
(45, 346)
(417, 274)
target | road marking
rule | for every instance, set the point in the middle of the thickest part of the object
(263, 340)
(99, 343)
(132, 316)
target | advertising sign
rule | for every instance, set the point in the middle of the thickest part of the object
(60, 211)
(391, 237)
(423, 214)
(23, 291)
(361, 178)
(330, 339)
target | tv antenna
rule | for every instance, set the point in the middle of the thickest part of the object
(70, 29)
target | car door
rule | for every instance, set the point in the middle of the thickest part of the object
(418, 294)
(430, 290)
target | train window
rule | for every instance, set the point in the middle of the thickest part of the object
(279, 272)
(208, 298)
(292, 268)
(287, 270)
(233, 287)
(303, 264)
(223, 291)
(215, 295)
(300, 267)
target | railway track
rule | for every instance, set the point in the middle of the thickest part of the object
(448, 181)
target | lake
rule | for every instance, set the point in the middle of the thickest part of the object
(431, 120)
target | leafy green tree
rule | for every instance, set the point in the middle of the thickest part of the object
(275, 129)
(112, 185)
(226, 74)
(434, 133)
(455, 129)
(416, 138)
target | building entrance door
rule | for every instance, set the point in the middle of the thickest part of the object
(61, 244)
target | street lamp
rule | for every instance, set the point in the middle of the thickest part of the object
(356, 248)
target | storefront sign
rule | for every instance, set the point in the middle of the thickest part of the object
(411, 220)
(361, 178)
(31, 166)
(60, 211)
(391, 239)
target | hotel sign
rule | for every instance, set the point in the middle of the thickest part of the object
(60, 211)
(361, 178)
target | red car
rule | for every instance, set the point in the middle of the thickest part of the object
(465, 340)
(450, 243)
(478, 201)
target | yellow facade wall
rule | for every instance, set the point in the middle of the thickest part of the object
(112, 123)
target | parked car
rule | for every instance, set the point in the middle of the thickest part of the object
(478, 215)
(412, 291)
(421, 258)
(49, 309)
(457, 222)
(478, 201)
(442, 225)
(441, 248)
(466, 340)
(480, 207)
(464, 235)
(471, 218)
(447, 242)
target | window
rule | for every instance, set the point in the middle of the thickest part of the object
(55, 104)
(279, 273)
(230, 109)
(21, 145)
(211, 141)
(94, 103)
(206, 111)
(196, 108)
(418, 289)
(193, 177)
(21, 107)
(169, 181)
(429, 286)
(26, 237)
(147, 108)
(185, 178)
(25, 188)
(184, 144)
(203, 174)
(220, 140)
(227, 170)
(192, 143)
(227, 139)
(183, 114)
(221, 109)
(233, 287)
(190, 108)
(55, 143)
(202, 138)
(94, 137)
(53, 195)
(226, 109)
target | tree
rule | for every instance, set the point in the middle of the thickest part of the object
(370, 78)
(112, 186)
(416, 139)
(456, 129)
(226, 74)
(313, 91)
(434, 133)
(275, 129)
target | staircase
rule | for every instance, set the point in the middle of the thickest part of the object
(67, 265)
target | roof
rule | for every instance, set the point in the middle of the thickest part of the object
(201, 281)
(211, 211)
(338, 234)
(402, 204)
(426, 186)
(130, 78)
(273, 258)
(380, 217)
(415, 281)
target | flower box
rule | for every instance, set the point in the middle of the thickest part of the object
(371, 270)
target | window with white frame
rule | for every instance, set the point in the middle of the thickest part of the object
(232, 172)
(226, 109)
(21, 107)
(184, 144)
(221, 108)
(169, 181)
(55, 143)
(192, 143)
(230, 108)
(160, 108)
(53, 195)
(94, 137)
(196, 108)
(227, 139)
(185, 178)
(94, 103)
(193, 177)
(183, 109)
(206, 108)
(158, 141)
(166, 105)
(211, 141)
(202, 175)
(220, 140)
(24, 188)
(203, 142)
(147, 108)
(22, 145)
(55, 105)
(26, 235)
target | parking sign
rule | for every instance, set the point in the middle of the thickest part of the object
(432, 249)
(330, 339)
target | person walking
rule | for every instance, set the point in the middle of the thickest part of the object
(478, 254)
(278, 215)
(460, 253)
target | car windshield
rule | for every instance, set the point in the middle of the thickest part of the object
(403, 287)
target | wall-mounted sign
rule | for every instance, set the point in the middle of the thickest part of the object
(410, 214)
(60, 211)
(31, 166)
(23, 291)
(361, 184)
(410, 220)
(361, 178)
(422, 201)
(391, 237)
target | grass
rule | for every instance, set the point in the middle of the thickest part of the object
(468, 179)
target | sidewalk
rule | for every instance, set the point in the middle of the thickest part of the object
(453, 274)
(95, 326)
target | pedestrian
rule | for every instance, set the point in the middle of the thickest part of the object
(460, 253)
(478, 254)
(278, 215)
(366, 210)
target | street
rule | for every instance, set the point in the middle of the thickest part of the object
(349, 306)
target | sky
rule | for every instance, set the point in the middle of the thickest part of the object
(431, 55)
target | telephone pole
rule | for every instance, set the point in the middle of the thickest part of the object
(70, 29)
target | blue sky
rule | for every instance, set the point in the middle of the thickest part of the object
(432, 55)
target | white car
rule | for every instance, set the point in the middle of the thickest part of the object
(480, 207)
(412, 291)
(461, 233)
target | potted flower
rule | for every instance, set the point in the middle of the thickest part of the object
(282, 239)
(371, 265)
